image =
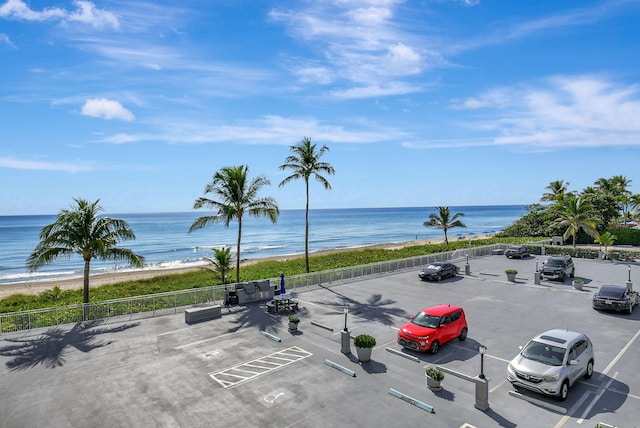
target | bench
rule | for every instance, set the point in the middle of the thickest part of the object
(205, 313)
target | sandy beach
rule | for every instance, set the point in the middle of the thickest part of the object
(97, 280)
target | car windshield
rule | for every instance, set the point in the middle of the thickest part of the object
(544, 353)
(434, 267)
(426, 320)
(555, 263)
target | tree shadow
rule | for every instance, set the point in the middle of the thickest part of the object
(374, 309)
(256, 315)
(50, 348)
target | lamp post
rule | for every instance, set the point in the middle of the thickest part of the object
(629, 283)
(345, 337)
(346, 312)
(482, 349)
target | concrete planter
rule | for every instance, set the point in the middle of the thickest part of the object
(577, 284)
(433, 384)
(364, 354)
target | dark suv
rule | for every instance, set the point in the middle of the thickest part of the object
(558, 267)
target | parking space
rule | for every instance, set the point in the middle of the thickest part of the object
(226, 372)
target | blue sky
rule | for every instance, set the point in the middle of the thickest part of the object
(421, 103)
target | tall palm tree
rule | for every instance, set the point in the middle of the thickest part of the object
(576, 214)
(236, 196)
(443, 220)
(305, 162)
(557, 191)
(80, 230)
(221, 262)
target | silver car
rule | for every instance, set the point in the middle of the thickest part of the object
(551, 362)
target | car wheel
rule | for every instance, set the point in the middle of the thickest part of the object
(589, 371)
(439, 277)
(573, 273)
(463, 334)
(435, 347)
(562, 277)
(564, 391)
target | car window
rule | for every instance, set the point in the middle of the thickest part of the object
(544, 353)
(425, 320)
(455, 316)
(580, 346)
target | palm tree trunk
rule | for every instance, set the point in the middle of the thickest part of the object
(306, 229)
(238, 249)
(85, 289)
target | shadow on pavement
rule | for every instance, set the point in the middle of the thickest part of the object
(49, 348)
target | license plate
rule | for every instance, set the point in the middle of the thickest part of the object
(608, 302)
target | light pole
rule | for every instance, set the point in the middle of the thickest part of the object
(482, 349)
(345, 337)
(346, 312)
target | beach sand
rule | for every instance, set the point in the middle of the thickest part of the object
(97, 280)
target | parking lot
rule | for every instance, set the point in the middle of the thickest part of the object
(247, 370)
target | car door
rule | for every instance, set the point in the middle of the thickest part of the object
(453, 326)
(576, 354)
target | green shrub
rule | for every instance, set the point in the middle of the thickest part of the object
(435, 374)
(364, 341)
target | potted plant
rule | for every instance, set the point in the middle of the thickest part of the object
(511, 274)
(293, 322)
(364, 344)
(434, 378)
(577, 283)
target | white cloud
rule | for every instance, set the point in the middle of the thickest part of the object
(43, 166)
(563, 111)
(106, 109)
(5, 40)
(359, 43)
(86, 12)
(18, 10)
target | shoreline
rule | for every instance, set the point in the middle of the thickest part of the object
(97, 280)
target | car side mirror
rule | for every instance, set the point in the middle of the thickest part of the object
(572, 363)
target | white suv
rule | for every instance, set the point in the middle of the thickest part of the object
(551, 362)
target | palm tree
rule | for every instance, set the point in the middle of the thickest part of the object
(576, 214)
(305, 162)
(221, 261)
(237, 196)
(443, 220)
(80, 230)
(606, 239)
(557, 191)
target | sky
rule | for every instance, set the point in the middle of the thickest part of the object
(420, 103)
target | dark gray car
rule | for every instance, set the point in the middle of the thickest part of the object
(558, 267)
(614, 298)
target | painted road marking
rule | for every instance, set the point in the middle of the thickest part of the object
(244, 372)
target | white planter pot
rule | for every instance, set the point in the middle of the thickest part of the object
(293, 326)
(432, 384)
(364, 354)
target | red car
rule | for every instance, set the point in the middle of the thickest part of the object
(432, 327)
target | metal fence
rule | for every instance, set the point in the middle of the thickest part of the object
(177, 301)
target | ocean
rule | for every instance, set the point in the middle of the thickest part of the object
(164, 241)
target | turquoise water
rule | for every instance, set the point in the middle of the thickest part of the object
(164, 241)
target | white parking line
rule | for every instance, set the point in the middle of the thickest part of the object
(244, 372)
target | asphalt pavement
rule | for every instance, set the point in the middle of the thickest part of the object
(247, 370)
